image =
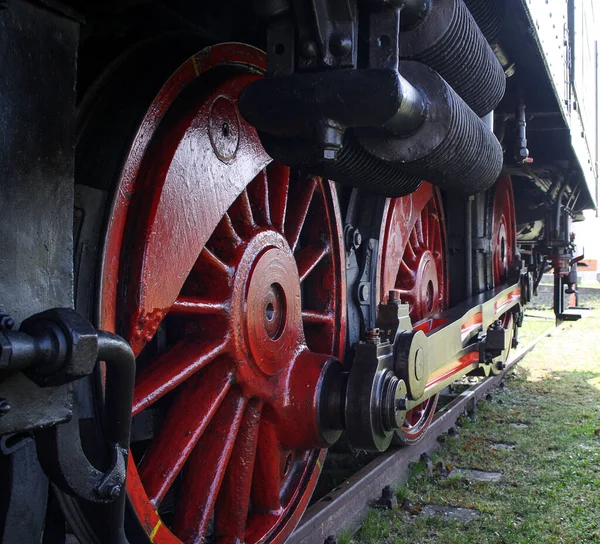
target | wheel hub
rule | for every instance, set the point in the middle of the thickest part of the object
(266, 300)
(427, 300)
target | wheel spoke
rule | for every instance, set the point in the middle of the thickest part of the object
(266, 482)
(301, 196)
(242, 216)
(419, 231)
(231, 511)
(312, 317)
(425, 226)
(225, 240)
(309, 257)
(208, 265)
(195, 307)
(172, 368)
(279, 184)
(205, 470)
(406, 277)
(258, 193)
(187, 419)
(409, 253)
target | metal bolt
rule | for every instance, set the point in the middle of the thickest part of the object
(4, 406)
(6, 321)
(352, 237)
(388, 499)
(500, 365)
(340, 44)
(401, 404)
(331, 139)
(363, 293)
(394, 297)
(308, 49)
(330, 154)
(114, 491)
(372, 336)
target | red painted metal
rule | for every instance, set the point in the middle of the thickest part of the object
(504, 237)
(413, 261)
(226, 274)
(504, 229)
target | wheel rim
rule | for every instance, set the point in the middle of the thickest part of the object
(226, 273)
(504, 229)
(414, 263)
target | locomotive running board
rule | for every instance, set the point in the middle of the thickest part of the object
(456, 342)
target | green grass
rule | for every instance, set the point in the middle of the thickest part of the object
(550, 489)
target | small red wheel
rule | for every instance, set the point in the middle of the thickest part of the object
(226, 275)
(414, 262)
(504, 229)
(504, 245)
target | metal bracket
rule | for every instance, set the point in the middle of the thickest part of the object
(55, 348)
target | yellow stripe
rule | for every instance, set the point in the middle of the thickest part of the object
(195, 65)
(155, 530)
(319, 464)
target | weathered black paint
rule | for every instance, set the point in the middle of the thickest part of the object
(38, 48)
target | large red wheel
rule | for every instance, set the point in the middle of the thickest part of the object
(226, 275)
(414, 263)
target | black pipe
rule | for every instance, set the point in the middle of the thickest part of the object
(120, 378)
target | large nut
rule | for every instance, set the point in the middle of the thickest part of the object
(71, 344)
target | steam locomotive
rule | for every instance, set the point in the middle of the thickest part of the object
(235, 234)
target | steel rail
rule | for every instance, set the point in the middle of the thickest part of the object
(344, 508)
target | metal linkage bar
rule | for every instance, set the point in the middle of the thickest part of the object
(344, 508)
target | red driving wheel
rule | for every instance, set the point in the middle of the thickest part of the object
(504, 229)
(225, 273)
(414, 263)
(504, 236)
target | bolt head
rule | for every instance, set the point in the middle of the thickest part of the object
(401, 404)
(340, 44)
(330, 154)
(394, 296)
(373, 336)
(4, 407)
(363, 293)
(114, 491)
(7, 322)
(308, 49)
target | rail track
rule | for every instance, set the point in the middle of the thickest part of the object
(344, 508)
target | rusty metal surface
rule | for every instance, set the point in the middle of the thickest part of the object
(346, 506)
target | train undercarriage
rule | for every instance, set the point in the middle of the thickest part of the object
(296, 248)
